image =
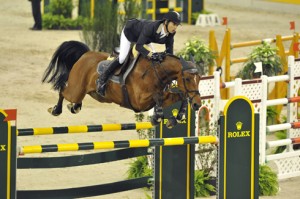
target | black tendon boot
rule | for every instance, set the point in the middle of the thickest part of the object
(101, 83)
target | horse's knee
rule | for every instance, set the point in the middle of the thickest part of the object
(171, 122)
(180, 116)
(155, 120)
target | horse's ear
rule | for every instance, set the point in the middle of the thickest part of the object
(184, 64)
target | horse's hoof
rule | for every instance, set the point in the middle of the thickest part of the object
(171, 123)
(53, 111)
(72, 109)
(155, 121)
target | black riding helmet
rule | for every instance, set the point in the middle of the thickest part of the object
(173, 16)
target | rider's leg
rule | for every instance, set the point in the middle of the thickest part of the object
(104, 77)
(124, 49)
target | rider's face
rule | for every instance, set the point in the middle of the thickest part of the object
(172, 27)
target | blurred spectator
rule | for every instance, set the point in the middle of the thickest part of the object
(36, 13)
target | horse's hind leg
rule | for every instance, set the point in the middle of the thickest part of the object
(57, 109)
(75, 96)
(74, 108)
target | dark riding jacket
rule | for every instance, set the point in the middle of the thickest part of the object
(141, 32)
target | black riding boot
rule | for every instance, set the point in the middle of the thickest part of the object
(101, 83)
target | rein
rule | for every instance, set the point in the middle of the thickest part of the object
(196, 92)
(162, 83)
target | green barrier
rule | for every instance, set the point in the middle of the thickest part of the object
(238, 150)
(174, 166)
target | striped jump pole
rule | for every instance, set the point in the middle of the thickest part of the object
(118, 144)
(83, 129)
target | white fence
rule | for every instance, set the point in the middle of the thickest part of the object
(288, 162)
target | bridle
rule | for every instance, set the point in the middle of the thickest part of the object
(187, 91)
(184, 94)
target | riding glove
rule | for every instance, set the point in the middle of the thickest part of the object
(156, 57)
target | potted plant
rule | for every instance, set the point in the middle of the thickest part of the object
(266, 54)
(202, 186)
(268, 182)
(196, 50)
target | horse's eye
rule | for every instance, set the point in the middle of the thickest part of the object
(187, 79)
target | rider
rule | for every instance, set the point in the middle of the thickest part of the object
(142, 32)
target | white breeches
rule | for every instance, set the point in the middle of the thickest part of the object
(125, 47)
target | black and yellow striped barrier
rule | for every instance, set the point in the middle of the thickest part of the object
(118, 144)
(84, 128)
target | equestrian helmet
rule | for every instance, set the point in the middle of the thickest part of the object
(173, 16)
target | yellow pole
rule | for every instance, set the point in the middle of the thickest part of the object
(92, 8)
(226, 52)
(42, 7)
(213, 46)
(190, 12)
(154, 9)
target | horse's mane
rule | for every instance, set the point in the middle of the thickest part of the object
(192, 64)
(171, 55)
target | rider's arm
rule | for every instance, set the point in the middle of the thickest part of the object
(169, 44)
(144, 39)
(140, 46)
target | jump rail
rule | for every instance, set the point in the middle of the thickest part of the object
(83, 129)
(118, 144)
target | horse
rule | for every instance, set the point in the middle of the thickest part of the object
(73, 72)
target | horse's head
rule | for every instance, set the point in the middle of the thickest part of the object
(188, 83)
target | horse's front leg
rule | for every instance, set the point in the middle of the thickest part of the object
(57, 109)
(180, 116)
(158, 110)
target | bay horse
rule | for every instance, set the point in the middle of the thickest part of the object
(73, 73)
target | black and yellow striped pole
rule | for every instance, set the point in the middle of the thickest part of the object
(118, 144)
(84, 128)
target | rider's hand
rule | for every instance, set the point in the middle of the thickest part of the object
(155, 57)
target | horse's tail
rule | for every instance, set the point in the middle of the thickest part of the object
(62, 61)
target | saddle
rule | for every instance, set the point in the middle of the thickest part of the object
(120, 74)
